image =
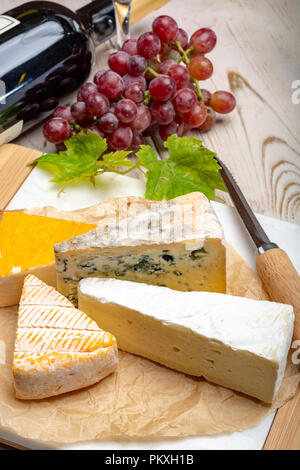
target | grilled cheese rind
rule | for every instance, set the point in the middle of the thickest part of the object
(57, 348)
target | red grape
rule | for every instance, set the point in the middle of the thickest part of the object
(113, 106)
(118, 62)
(164, 67)
(137, 140)
(165, 28)
(200, 67)
(209, 121)
(121, 138)
(191, 85)
(164, 48)
(180, 74)
(169, 129)
(63, 112)
(79, 111)
(154, 64)
(126, 110)
(151, 130)
(203, 40)
(98, 75)
(129, 46)
(136, 65)
(196, 116)
(56, 130)
(183, 129)
(182, 37)
(222, 102)
(178, 117)
(108, 123)
(162, 88)
(97, 104)
(184, 100)
(87, 122)
(130, 80)
(85, 90)
(111, 84)
(148, 45)
(134, 93)
(206, 95)
(142, 119)
(162, 112)
(96, 130)
(171, 54)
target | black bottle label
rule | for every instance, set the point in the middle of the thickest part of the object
(7, 22)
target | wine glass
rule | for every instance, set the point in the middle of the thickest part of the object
(122, 15)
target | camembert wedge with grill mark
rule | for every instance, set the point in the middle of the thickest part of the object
(177, 244)
(235, 342)
(57, 348)
(26, 247)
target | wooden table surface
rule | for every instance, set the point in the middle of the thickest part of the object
(257, 57)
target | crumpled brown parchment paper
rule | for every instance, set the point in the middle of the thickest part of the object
(142, 399)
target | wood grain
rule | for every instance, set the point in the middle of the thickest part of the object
(281, 281)
(257, 57)
(285, 430)
(6, 445)
(258, 61)
(14, 161)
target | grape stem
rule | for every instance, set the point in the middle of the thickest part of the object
(147, 98)
(184, 54)
(76, 127)
(137, 166)
(111, 170)
(150, 70)
(198, 90)
(185, 58)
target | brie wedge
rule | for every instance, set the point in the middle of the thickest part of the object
(235, 342)
(57, 348)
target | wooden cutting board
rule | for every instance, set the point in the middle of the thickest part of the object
(14, 169)
(285, 431)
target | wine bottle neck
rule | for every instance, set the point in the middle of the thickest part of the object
(99, 19)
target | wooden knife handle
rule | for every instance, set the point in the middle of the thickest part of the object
(281, 281)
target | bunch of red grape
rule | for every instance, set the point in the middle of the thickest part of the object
(151, 86)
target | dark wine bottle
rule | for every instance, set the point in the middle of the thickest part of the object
(46, 52)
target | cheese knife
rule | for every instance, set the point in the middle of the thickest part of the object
(275, 269)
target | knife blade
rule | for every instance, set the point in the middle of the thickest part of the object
(254, 228)
(278, 275)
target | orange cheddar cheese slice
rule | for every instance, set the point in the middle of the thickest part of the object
(26, 247)
(58, 348)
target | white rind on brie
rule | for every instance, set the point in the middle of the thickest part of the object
(236, 342)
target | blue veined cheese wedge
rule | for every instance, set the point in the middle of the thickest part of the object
(177, 244)
(57, 348)
(235, 342)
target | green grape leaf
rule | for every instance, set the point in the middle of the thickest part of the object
(190, 167)
(189, 153)
(115, 159)
(79, 160)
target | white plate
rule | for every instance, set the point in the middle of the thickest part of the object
(37, 191)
